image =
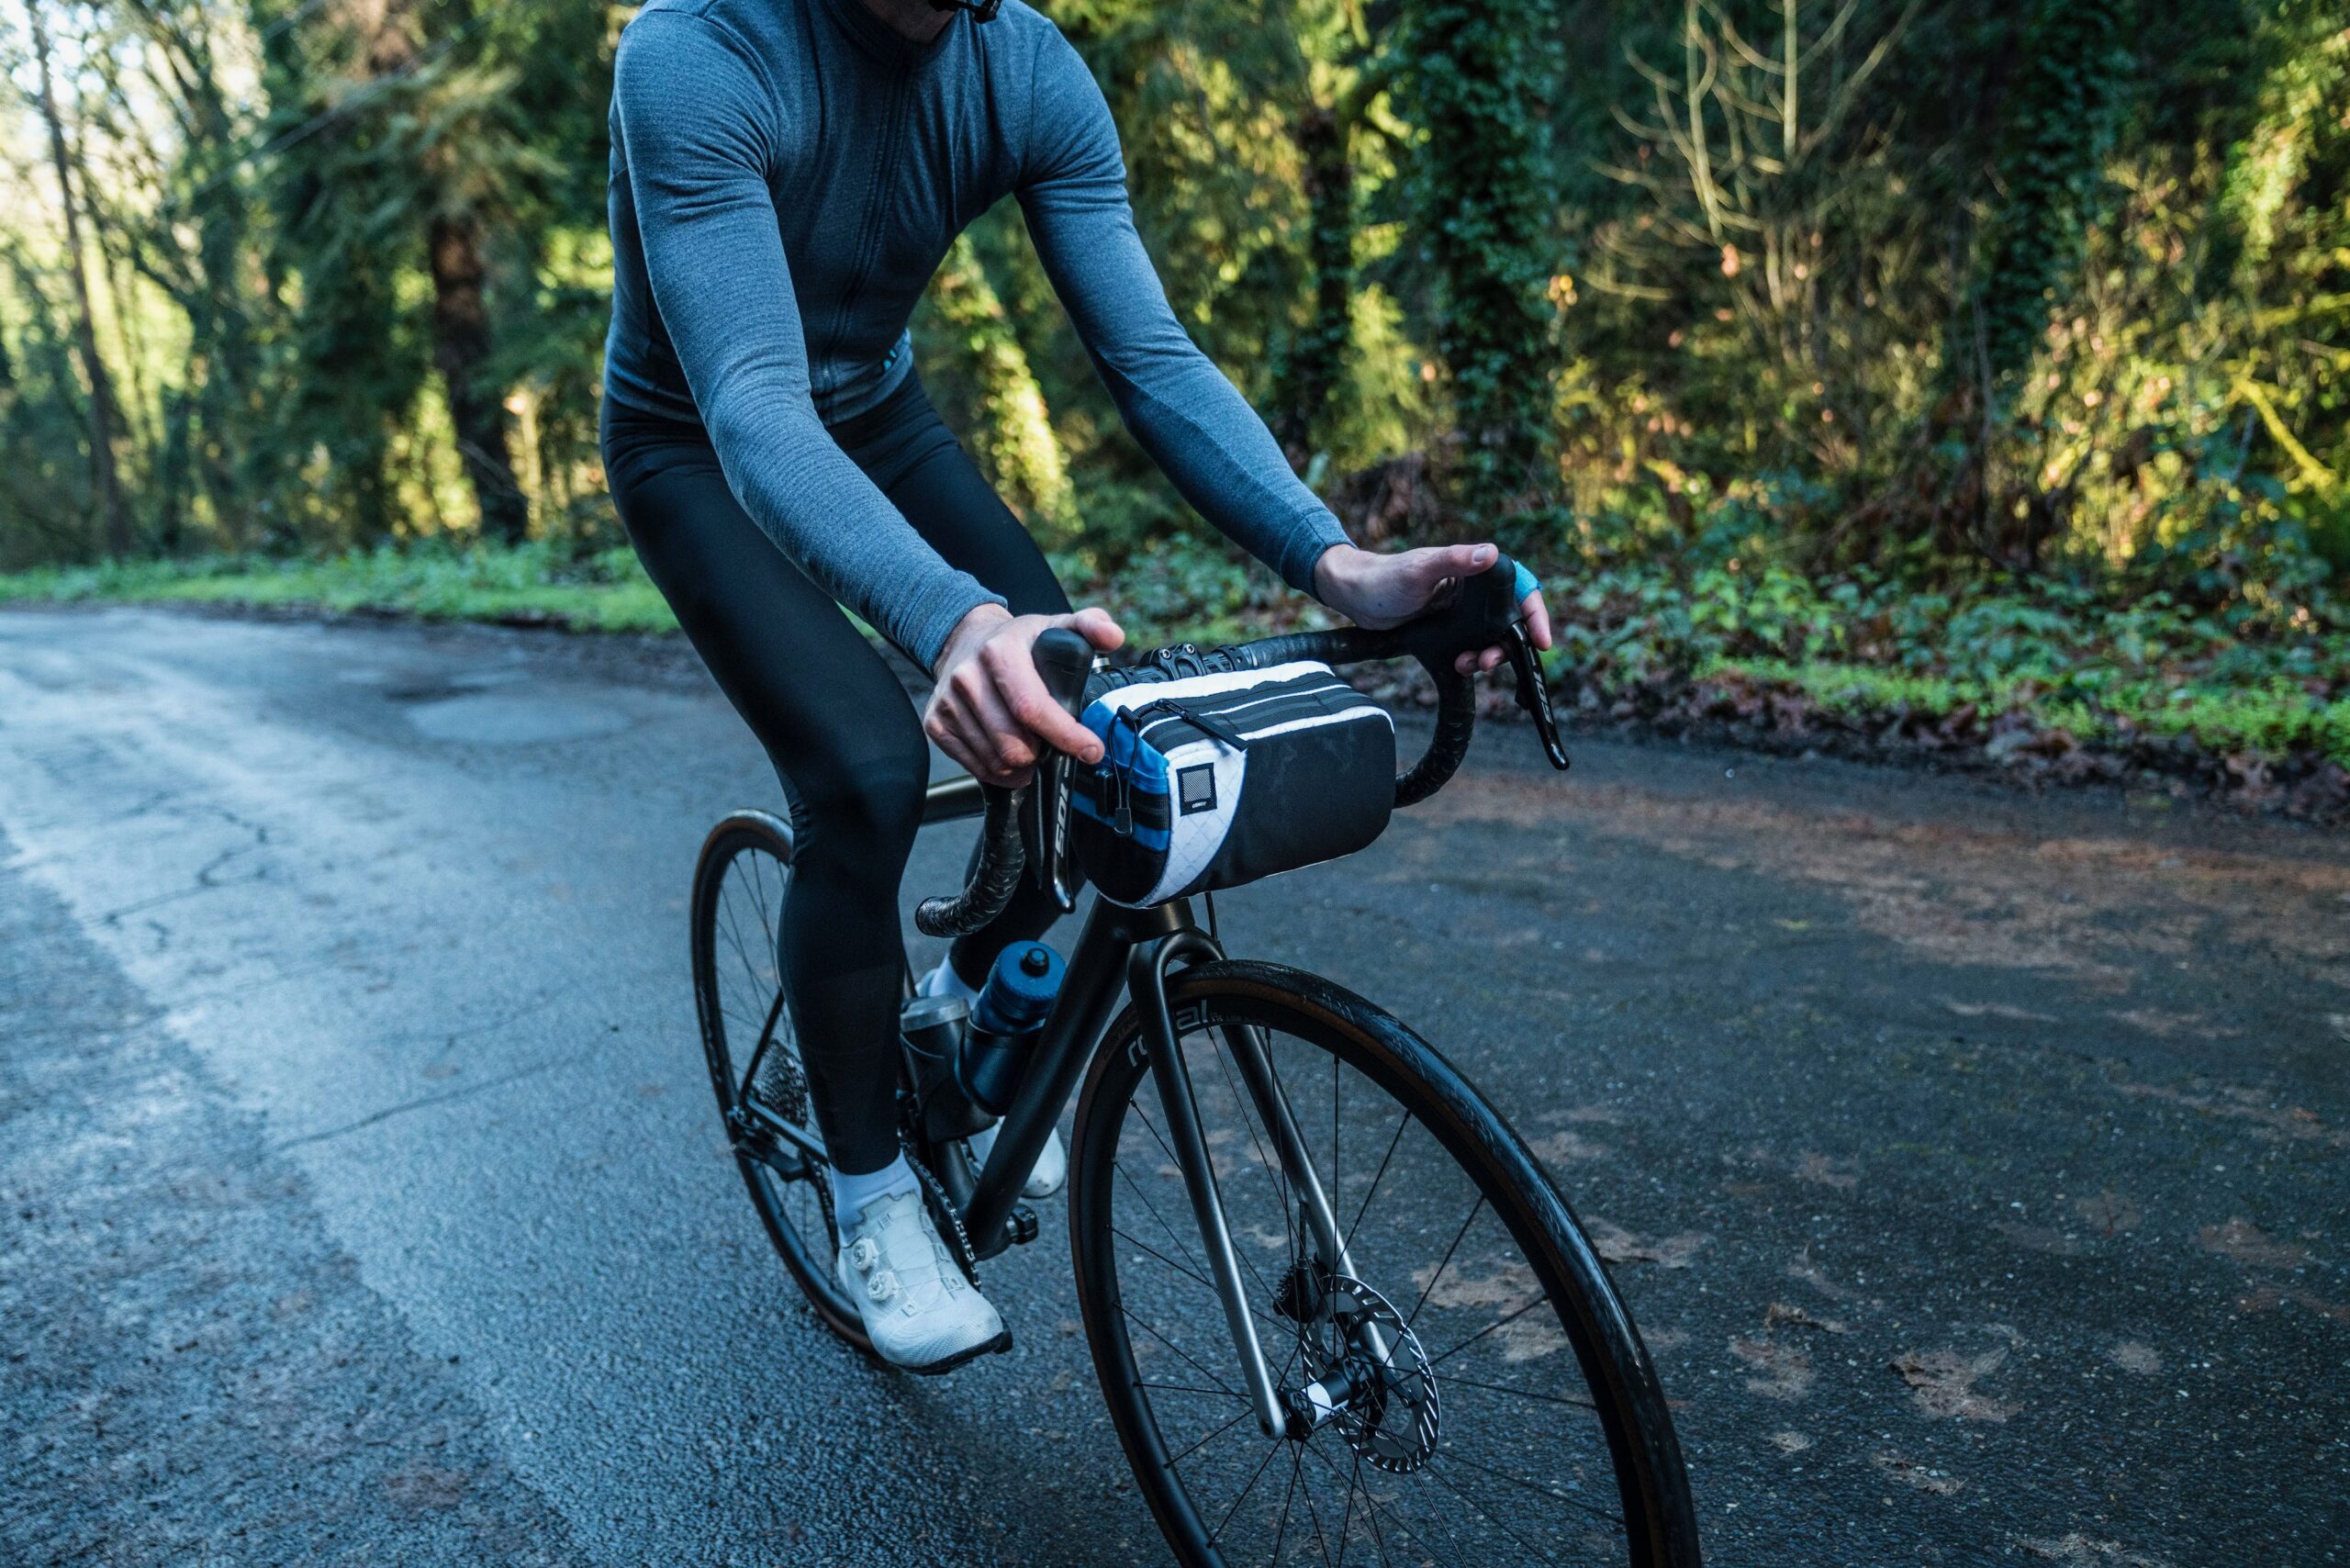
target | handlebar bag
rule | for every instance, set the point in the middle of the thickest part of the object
(1211, 781)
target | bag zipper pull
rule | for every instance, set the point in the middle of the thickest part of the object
(1122, 815)
(1205, 723)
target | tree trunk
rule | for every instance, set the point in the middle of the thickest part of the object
(107, 484)
(1317, 356)
(460, 345)
(986, 370)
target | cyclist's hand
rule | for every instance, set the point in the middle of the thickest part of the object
(990, 711)
(1379, 591)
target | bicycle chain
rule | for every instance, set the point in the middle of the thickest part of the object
(934, 1193)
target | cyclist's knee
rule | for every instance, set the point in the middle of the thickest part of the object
(870, 813)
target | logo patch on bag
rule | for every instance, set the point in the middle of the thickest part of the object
(1195, 789)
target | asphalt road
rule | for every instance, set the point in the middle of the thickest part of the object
(1974, 1163)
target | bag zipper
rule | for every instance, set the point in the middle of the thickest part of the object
(1167, 708)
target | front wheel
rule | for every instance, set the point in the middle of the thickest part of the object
(1516, 1418)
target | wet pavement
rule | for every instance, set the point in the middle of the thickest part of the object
(1975, 1163)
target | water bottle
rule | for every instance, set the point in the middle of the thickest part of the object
(1005, 1021)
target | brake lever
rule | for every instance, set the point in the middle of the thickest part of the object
(1534, 692)
(1063, 660)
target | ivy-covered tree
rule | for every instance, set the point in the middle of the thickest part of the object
(1473, 78)
(2059, 126)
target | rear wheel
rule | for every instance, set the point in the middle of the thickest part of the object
(746, 1030)
(1515, 1417)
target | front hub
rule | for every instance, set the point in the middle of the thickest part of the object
(1368, 1376)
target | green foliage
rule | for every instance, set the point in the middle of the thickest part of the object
(1894, 352)
(971, 358)
(1860, 644)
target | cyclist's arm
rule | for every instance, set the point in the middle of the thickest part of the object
(699, 134)
(1187, 416)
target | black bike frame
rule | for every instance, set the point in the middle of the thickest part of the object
(1129, 952)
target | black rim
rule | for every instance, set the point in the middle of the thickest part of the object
(739, 887)
(1543, 1438)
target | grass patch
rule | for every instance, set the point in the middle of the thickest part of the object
(2273, 719)
(604, 592)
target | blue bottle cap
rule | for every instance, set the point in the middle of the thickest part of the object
(1020, 989)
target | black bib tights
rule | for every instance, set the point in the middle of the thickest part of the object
(833, 718)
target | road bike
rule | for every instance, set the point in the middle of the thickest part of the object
(1336, 1308)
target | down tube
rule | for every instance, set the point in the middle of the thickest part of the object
(1089, 993)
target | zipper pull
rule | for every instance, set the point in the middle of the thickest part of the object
(1207, 724)
(1122, 813)
(1215, 727)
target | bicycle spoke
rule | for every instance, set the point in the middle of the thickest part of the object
(1446, 1481)
(1455, 1457)
(734, 936)
(1275, 1177)
(759, 893)
(1181, 1388)
(1289, 1499)
(1353, 1480)
(1315, 1514)
(1177, 1349)
(1271, 1450)
(1144, 1116)
(1455, 1380)
(1435, 1361)
(1371, 1502)
(1378, 1176)
(1212, 1437)
(1197, 1279)
(1119, 1166)
(1475, 1210)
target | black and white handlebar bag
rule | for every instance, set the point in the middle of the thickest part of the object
(1211, 781)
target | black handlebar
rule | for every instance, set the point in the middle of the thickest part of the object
(1482, 614)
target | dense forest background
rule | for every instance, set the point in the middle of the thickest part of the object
(1808, 327)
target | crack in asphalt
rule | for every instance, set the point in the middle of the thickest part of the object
(421, 1102)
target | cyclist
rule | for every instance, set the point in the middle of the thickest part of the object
(786, 177)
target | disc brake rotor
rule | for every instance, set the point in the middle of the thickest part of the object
(1360, 1344)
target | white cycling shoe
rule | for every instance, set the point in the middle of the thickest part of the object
(919, 1310)
(1044, 1179)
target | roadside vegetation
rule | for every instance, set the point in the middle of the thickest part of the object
(2040, 681)
(1876, 376)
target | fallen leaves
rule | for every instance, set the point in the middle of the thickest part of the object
(1944, 1382)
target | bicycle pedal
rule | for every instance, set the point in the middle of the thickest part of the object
(1020, 1225)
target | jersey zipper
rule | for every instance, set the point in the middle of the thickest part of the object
(869, 240)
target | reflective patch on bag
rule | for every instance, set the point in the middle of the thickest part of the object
(1195, 789)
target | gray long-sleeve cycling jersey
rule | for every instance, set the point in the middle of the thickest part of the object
(787, 175)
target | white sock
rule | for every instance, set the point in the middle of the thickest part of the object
(943, 981)
(851, 1193)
